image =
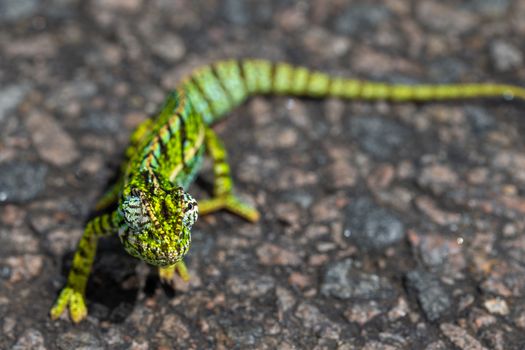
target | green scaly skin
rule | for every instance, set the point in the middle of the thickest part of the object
(155, 213)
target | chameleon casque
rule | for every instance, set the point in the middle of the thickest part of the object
(155, 213)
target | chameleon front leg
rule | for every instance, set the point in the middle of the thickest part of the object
(72, 295)
(223, 196)
(111, 196)
(166, 273)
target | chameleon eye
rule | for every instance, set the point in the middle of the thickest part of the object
(191, 212)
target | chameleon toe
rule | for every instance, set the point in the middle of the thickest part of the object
(60, 304)
(236, 206)
(77, 307)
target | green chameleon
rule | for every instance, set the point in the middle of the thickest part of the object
(155, 214)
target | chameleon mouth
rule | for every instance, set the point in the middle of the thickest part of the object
(152, 251)
(153, 255)
(163, 261)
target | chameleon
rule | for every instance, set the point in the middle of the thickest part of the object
(154, 212)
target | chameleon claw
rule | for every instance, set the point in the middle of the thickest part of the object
(230, 203)
(74, 300)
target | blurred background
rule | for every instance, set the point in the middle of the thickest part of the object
(383, 226)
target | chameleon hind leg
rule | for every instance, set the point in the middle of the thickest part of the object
(72, 295)
(223, 196)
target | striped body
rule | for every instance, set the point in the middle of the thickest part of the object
(155, 213)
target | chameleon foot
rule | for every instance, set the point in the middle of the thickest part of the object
(230, 203)
(74, 300)
(166, 273)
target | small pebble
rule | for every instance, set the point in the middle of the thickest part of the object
(497, 306)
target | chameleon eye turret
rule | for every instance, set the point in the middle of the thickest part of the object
(134, 212)
(191, 211)
(155, 213)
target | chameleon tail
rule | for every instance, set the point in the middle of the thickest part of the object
(284, 79)
(215, 89)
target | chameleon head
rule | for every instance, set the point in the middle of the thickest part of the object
(158, 224)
